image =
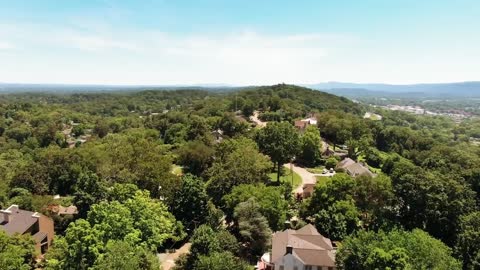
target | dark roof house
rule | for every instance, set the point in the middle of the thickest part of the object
(14, 220)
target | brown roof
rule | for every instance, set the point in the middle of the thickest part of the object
(315, 257)
(306, 243)
(20, 220)
(301, 124)
(308, 188)
(316, 240)
(345, 163)
(39, 237)
(308, 229)
(358, 169)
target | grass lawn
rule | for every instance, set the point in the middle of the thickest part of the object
(297, 180)
(318, 169)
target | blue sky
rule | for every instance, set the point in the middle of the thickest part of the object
(239, 42)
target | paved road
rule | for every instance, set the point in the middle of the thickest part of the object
(168, 259)
(257, 121)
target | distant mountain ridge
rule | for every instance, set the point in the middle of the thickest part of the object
(72, 88)
(428, 89)
(456, 89)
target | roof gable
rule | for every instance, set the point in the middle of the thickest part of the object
(19, 220)
(305, 238)
(308, 229)
(345, 163)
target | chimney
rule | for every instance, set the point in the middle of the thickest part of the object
(289, 249)
(7, 213)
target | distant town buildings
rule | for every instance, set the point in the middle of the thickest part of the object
(456, 115)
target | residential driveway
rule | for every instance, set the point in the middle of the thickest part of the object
(168, 259)
(307, 177)
(257, 121)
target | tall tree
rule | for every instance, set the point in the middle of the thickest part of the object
(191, 202)
(196, 157)
(124, 255)
(468, 240)
(237, 162)
(310, 146)
(270, 199)
(252, 228)
(280, 141)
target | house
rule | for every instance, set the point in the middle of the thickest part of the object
(308, 190)
(354, 169)
(62, 210)
(15, 220)
(304, 123)
(301, 125)
(311, 120)
(345, 163)
(303, 249)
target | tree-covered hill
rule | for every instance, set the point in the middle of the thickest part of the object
(151, 170)
(288, 102)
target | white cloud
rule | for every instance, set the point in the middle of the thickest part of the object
(151, 57)
(96, 53)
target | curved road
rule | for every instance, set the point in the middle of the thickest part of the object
(307, 177)
(257, 121)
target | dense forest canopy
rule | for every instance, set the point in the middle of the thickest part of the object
(152, 170)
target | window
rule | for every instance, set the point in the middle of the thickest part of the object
(308, 267)
(281, 267)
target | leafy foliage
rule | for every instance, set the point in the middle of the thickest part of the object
(17, 252)
(253, 229)
(280, 141)
(396, 249)
(272, 203)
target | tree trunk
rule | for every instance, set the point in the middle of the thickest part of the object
(279, 167)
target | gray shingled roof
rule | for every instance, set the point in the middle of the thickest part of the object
(358, 169)
(20, 220)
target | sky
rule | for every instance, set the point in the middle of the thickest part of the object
(239, 42)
